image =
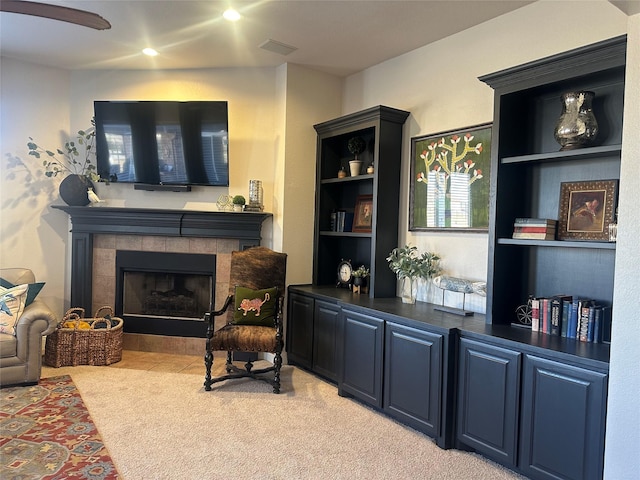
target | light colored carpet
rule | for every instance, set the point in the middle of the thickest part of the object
(160, 425)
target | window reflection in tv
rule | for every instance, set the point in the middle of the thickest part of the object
(163, 142)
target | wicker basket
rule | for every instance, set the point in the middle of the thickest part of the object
(100, 344)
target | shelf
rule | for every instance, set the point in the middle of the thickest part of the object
(328, 233)
(359, 178)
(579, 154)
(558, 244)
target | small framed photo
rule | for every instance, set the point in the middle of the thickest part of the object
(586, 210)
(363, 214)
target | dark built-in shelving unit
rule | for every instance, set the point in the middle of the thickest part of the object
(381, 129)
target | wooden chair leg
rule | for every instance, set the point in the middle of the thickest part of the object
(208, 362)
(277, 362)
(229, 361)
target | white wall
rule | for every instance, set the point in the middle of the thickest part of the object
(622, 458)
(34, 101)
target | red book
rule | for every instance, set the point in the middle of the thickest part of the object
(534, 229)
(545, 314)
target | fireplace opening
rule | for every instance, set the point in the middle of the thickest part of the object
(164, 293)
(161, 294)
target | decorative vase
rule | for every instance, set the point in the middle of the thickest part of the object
(342, 173)
(577, 126)
(409, 290)
(73, 190)
(355, 166)
(370, 169)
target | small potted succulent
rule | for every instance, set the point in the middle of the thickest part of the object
(360, 276)
(238, 202)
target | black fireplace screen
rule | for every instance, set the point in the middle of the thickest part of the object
(167, 295)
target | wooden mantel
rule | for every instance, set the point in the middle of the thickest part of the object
(89, 221)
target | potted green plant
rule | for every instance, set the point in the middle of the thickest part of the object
(409, 266)
(360, 276)
(238, 202)
(356, 145)
(75, 161)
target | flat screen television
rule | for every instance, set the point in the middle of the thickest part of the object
(163, 142)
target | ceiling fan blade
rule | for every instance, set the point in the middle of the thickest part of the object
(56, 12)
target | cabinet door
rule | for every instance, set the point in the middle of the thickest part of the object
(363, 337)
(563, 419)
(300, 330)
(413, 377)
(488, 396)
(325, 326)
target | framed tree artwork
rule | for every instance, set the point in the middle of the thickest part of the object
(586, 210)
(449, 184)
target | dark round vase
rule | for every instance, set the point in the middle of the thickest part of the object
(73, 190)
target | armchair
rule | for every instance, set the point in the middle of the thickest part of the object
(21, 354)
(254, 316)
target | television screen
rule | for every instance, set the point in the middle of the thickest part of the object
(163, 142)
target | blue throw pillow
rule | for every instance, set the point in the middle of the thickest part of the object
(32, 293)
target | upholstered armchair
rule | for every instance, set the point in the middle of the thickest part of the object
(21, 353)
(253, 316)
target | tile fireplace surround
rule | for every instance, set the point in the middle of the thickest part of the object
(98, 232)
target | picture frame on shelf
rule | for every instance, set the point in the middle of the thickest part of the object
(586, 209)
(450, 180)
(363, 214)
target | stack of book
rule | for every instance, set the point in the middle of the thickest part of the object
(341, 221)
(580, 318)
(535, 228)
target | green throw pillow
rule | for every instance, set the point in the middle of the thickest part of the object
(34, 289)
(255, 307)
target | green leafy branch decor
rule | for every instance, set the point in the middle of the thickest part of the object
(406, 263)
(408, 266)
(75, 158)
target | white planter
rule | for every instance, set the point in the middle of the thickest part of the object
(355, 166)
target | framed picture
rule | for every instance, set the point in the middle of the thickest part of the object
(363, 214)
(449, 184)
(586, 210)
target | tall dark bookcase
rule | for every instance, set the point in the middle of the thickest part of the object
(528, 169)
(381, 129)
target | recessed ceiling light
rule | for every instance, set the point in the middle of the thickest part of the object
(231, 15)
(149, 52)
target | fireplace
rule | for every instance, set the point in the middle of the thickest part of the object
(164, 293)
(98, 234)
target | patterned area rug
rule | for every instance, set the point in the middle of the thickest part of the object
(46, 433)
